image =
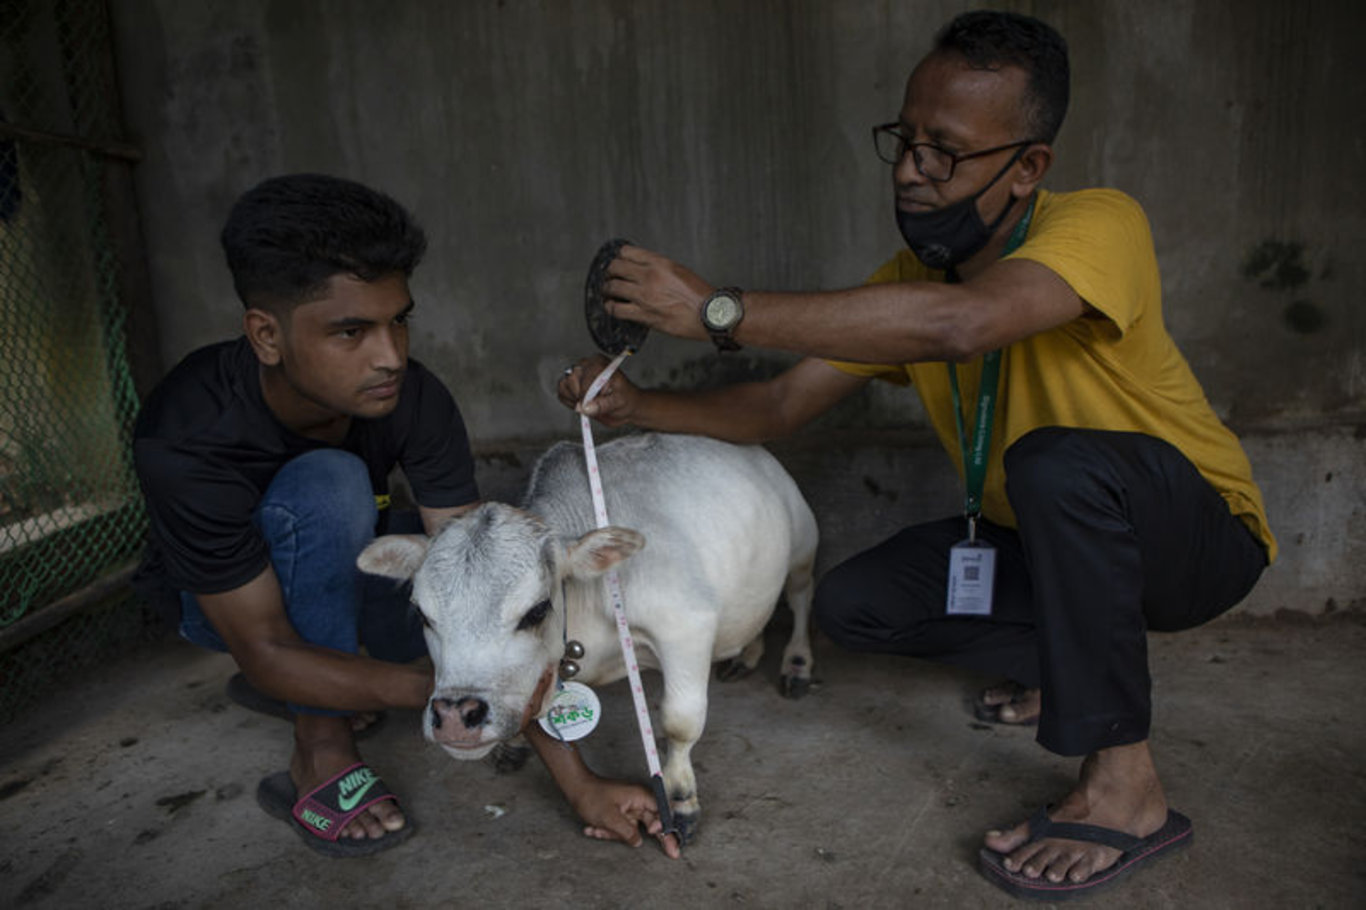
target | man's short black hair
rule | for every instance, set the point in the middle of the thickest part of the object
(288, 235)
(990, 40)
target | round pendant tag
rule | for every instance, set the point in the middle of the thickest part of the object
(574, 712)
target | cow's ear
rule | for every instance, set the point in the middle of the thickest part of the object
(597, 551)
(393, 555)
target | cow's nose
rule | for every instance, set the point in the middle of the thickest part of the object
(470, 711)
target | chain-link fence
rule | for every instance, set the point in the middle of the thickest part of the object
(70, 512)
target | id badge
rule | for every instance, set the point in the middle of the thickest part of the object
(972, 571)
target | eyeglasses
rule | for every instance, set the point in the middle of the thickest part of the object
(931, 161)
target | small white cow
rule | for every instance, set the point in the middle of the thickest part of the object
(501, 588)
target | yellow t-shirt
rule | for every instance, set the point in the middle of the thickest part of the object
(1113, 369)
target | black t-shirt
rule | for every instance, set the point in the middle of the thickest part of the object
(206, 448)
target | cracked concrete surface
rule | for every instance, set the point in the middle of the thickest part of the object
(133, 787)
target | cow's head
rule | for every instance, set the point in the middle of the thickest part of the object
(489, 587)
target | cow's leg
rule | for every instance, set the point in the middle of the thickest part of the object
(510, 754)
(799, 588)
(684, 662)
(742, 664)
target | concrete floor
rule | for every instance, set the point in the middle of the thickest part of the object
(134, 788)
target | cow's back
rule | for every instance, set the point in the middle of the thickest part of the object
(724, 524)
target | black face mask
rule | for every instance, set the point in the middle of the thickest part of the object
(949, 236)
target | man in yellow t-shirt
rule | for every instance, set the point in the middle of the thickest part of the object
(1105, 498)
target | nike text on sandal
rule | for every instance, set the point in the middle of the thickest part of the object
(1172, 836)
(321, 815)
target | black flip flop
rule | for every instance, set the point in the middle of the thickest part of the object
(320, 816)
(1172, 836)
(248, 696)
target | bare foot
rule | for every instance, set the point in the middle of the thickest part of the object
(1009, 703)
(323, 747)
(1118, 789)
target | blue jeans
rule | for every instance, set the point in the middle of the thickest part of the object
(316, 516)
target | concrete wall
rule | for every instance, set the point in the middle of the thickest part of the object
(734, 136)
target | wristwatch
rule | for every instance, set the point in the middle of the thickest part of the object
(721, 312)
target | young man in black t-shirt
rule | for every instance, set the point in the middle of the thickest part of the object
(264, 462)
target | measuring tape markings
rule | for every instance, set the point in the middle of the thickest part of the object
(613, 582)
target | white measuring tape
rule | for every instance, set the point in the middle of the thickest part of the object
(613, 581)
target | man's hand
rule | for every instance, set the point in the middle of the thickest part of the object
(646, 287)
(614, 405)
(615, 810)
(610, 809)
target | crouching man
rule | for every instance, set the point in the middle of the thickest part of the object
(1100, 484)
(264, 462)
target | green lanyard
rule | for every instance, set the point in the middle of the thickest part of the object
(975, 456)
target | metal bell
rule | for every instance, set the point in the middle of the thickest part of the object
(573, 649)
(569, 668)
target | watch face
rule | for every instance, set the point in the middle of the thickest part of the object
(722, 311)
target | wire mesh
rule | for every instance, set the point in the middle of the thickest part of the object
(70, 509)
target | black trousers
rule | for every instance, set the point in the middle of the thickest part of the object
(1118, 534)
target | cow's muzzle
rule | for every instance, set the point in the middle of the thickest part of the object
(463, 714)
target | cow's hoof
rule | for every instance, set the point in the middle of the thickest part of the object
(508, 757)
(795, 687)
(685, 826)
(733, 669)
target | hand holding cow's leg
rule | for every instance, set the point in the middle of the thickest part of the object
(610, 809)
(614, 800)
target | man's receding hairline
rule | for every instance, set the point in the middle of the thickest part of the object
(1023, 116)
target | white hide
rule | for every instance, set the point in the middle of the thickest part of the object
(725, 532)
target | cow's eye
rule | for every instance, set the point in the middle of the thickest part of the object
(535, 616)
